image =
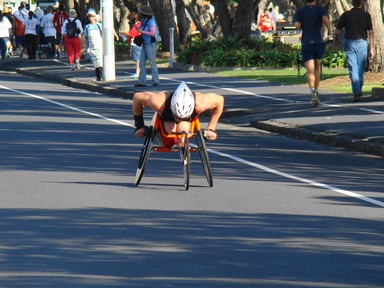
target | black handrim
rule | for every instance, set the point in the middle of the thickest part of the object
(203, 153)
(144, 155)
(186, 161)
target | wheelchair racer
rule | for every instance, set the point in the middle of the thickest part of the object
(178, 109)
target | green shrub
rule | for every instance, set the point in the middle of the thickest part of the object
(246, 57)
(234, 52)
(335, 59)
(122, 48)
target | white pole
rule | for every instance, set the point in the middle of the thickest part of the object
(171, 46)
(109, 73)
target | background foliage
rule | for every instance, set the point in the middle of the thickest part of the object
(235, 52)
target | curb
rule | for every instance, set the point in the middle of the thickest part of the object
(348, 141)
(71, 82)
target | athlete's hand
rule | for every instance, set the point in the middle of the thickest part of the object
(210, 134)
(141, 132)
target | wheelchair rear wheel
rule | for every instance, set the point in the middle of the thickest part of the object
(202, 148)
(186, 160)
(144, 155)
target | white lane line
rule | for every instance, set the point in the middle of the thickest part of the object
(235, 158)
(299, 179)
(372, 111)
(68, 107)
(358, 108)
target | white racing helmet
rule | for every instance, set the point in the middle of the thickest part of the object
(183, 102)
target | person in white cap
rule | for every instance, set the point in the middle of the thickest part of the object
(178, 109)
(93, 35)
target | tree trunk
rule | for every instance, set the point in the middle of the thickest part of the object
(374, 7)
(123, 25)
(339, 7)
(194, 10)
(207, 22)
(222, 11)
(81, 11)
(131, 5)
(161, 8)
(345, 5)
(95, 4)
(243, 18)
(324, 3)
(183, 24)
(70, 4)
(298, 3)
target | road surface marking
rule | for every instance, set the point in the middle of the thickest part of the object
(235, 158)
(68, 106)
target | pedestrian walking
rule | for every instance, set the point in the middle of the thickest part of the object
(7, 12)
(71, 34)
(148, 30)
(93, 35)
(19, 28)
(49, 32)
(58, 19)
(5, 27)
(32, 24)
(358, 30)
(134, 24)
(310, 20)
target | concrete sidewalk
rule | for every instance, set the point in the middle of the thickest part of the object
(337, 121)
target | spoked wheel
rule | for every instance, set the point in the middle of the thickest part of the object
(186, 160)
(202, 148)
(144, 155)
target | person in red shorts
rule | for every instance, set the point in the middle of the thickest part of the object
(72, 39)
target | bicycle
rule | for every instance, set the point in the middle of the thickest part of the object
(175, 142)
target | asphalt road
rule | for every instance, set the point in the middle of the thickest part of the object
(281, 213)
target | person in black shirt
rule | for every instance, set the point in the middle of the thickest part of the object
(358, 29)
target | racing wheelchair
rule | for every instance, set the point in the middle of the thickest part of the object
(175, 142)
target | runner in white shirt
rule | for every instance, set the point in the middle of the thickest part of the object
(31, 24)
(5, 25)
(49, 31)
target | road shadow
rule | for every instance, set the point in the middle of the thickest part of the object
(148, 248)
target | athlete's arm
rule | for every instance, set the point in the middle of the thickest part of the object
(152, 100)
(214, 103)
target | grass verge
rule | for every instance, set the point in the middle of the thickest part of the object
(347, 89)
(281, 76)
(295, 77)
